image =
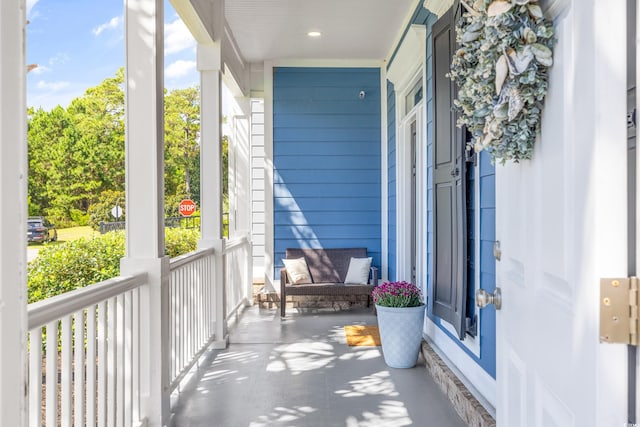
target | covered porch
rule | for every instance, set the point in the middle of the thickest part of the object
(302, 372)
(337, 142)
(148, 347)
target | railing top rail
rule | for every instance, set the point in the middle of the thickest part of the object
(45, 311)
(235, 243)
(188, 258)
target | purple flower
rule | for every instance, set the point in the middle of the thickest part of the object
(397, 294)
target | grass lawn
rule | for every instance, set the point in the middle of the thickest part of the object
(64, 235)
(74, 233)
(68, 234)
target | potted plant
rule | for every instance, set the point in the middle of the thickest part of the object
(400, 311)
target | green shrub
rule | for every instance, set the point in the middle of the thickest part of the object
(59, 217)
(180, 241)
(74, 264)
(80, 218)
(78, 263)
(101, 211)
(171, 205)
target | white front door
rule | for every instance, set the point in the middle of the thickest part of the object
(561, 224)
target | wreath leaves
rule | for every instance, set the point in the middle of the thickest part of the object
(501, 70)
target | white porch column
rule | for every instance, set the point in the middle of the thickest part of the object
(13, 212)
(240, 170)
(144, 157)
(209, 65)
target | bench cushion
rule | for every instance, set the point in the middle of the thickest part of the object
(297, 270)
(358, 272)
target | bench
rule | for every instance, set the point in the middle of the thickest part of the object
(328, 269)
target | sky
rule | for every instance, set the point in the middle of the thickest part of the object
(79, 43)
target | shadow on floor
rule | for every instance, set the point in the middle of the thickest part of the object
(300, 372)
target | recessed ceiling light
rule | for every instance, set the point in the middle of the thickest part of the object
(314, 33)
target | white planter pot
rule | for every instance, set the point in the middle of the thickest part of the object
(401, 334)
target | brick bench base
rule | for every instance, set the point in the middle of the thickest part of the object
(310, 302)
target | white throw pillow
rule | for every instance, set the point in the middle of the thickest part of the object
(297, 270)
(358, 272)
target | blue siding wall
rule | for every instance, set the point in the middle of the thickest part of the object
(487, 235)
(486, 210)
(487, 331)
(326, 153)
(391, 176)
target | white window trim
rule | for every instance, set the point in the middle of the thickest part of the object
(403, 191)
(405, 70)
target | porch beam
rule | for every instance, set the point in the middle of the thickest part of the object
(189, 15)
(13, 214)
(144, 163)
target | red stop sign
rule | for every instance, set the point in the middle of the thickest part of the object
(187, 207)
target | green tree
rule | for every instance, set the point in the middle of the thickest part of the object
(52, 137)
(99, 118)
(76, 155)
(182, 149)
(44, 130)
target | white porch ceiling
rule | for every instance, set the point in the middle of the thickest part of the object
(351, 29)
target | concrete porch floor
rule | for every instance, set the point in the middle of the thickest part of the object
(300, 372)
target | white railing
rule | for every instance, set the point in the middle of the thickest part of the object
(193, 305)
(191, 310)
(238, 275)
(89, 370)
(85, 355)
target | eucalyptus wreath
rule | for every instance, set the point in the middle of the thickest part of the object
(501, 70)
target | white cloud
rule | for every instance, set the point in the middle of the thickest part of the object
(41, 69)
(60, 58)
(179, 68)
(177, 37)
(52, 86)
(112, 24)
(48, 94)
(30, 4)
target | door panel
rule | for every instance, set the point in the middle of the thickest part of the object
(445, 295)
(551, 411)
(515, 390)
(442, 43)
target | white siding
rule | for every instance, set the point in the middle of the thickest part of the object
(257, 186)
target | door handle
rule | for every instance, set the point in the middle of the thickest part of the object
(497, 252)
(484, 298)
(455, 172)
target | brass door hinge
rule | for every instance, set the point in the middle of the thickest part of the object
(619, 310)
